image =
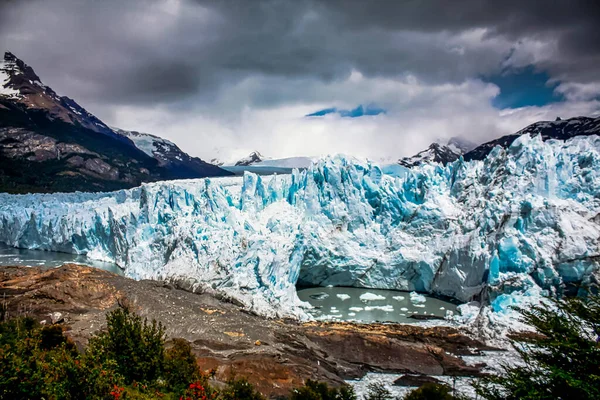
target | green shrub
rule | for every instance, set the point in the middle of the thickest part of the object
(135, 345)
(240, 389)
(180, 366)
(431, 391)
(42, 364)
(377, 391)
(313, 390)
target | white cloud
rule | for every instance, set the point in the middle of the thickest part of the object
(418, 114)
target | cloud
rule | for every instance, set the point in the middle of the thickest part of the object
(241, 74)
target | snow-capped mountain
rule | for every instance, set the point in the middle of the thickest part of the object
(440, 152)
(520, 223)
(171, 157)
(50, 143)
(253, 158)
(436, 152)
(559, 129)
(20, 83)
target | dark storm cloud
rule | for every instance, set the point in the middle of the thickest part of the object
(144, 52)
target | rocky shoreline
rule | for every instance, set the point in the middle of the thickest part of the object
(274, 354)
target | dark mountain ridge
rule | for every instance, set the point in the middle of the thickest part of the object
(49, 143)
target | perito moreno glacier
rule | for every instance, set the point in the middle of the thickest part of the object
(523, 221)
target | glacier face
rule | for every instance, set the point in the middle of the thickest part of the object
(526, 218)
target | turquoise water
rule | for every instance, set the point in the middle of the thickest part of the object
(346, 304)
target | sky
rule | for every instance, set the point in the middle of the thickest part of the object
(379, 79)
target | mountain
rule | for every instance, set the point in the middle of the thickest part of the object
(559, 129)
(50, 143)
(254, 158)
(436, 152)
(439, 152)
(171, 157)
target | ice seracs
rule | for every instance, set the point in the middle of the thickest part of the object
(523, 222)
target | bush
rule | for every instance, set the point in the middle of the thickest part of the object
(313, 390)
(377, 391)
(431, 391)
(562, 362)
(136, 346)
(180, 366)
(41, 363)
(240, 389)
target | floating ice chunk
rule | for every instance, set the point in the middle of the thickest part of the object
(419, 305)
(417, 298)
(356, 309)
(343, 296)
(442, 308)
(371, 297)
(386, 308)
(319, 296)
(404, 309)
(351, 314)
(399, 298)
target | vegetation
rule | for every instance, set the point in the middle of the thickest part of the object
(313, 390)
(431, 391)
(561, 362)
(129, 360)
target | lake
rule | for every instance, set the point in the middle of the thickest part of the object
(371, 305)
(38, 258)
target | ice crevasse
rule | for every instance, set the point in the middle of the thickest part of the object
(524, 220)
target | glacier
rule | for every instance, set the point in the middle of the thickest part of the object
(524, 220)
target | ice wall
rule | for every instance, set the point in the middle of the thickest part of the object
(526, 217)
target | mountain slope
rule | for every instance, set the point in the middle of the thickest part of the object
(434, 153)
(171, 157)
(559, 129)
(49, 143)
(253, 158)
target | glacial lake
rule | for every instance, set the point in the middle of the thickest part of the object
(371, 305)
(51, 259)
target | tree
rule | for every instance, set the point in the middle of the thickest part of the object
(561, 362)
(313, 390)
(180, 366)
(136, 346)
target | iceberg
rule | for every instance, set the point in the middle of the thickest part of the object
(527, 217)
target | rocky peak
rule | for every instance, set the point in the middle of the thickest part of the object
(253, 158)
(436, 152)
(18, 71)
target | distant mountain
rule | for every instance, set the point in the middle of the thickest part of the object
(254, 158)
(50, 143)
(434, 153)
(439, 152)
(171, 157)
(559, 129)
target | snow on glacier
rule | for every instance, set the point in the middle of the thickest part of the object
(524, 220)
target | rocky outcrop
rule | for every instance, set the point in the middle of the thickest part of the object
(275, 355)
